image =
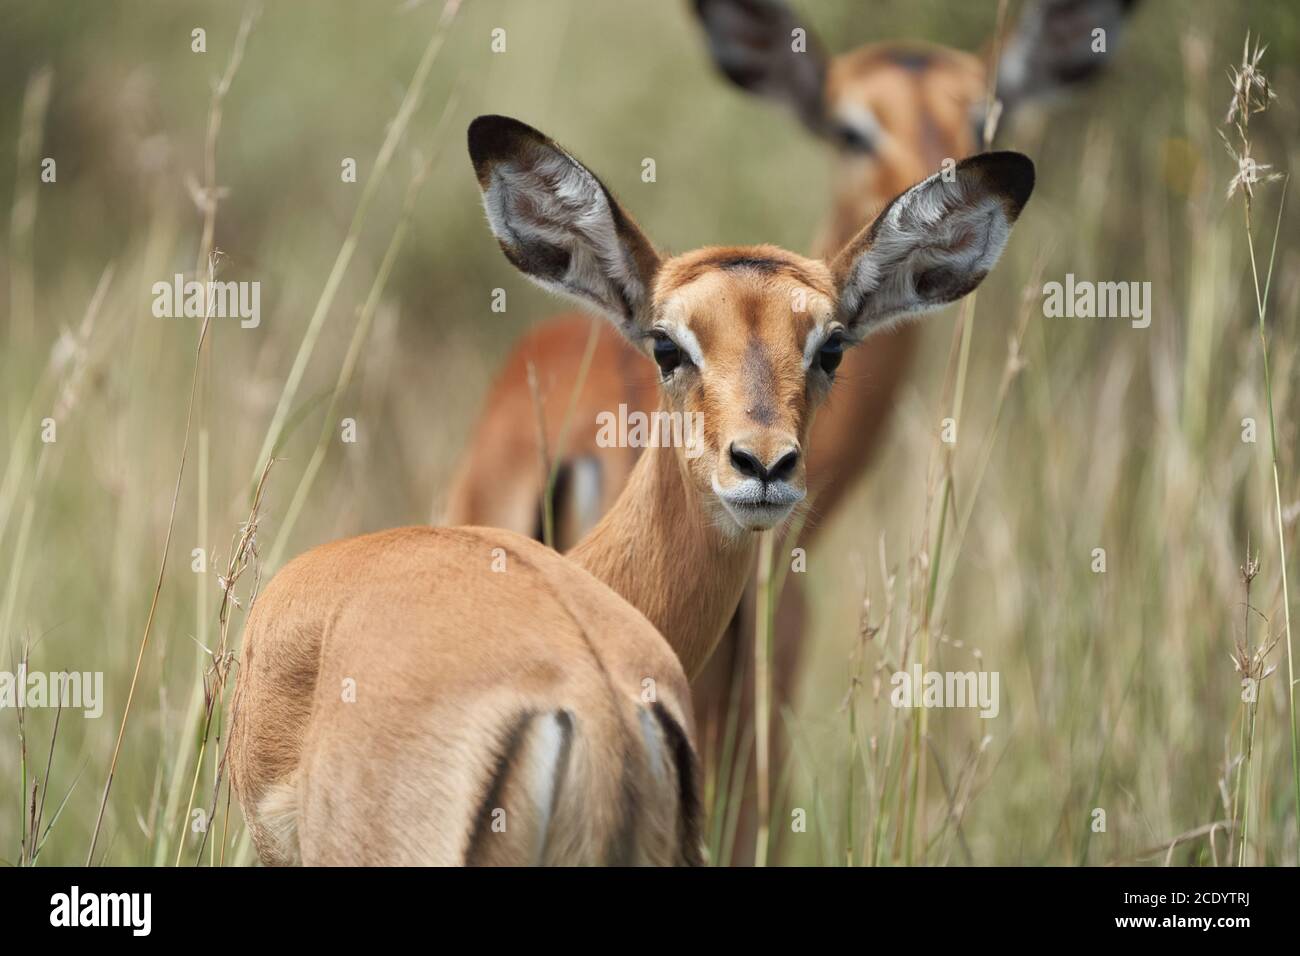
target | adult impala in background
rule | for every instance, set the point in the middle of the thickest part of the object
(467, 695)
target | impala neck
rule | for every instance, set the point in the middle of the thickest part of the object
(659, 549)
(859, 192)
(851, 211)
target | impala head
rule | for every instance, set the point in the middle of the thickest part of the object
(747, 339)
(895, 111)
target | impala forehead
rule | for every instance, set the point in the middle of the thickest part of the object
(716, 310)
(891, 68)
(916, 93)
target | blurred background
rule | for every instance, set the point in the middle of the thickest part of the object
(1119, 690)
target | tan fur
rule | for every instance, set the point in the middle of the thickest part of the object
(397, 776)
(617, 373)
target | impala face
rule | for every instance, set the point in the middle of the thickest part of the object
(747, 339)
(897, 111)
(894, 111)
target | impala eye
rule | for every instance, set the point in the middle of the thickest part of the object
(832, 351)
(667, 355)
(853, 139)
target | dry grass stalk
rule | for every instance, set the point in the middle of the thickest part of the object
(1252, 95)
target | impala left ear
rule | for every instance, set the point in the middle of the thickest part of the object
(932, 244)
(558, 223)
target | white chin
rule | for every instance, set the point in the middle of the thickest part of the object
(758, 517)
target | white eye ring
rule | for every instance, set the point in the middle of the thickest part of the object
(685, 340)
(818, 338)
(859, 123)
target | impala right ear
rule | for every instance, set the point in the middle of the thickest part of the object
(933, 244)
(761, 46)
(559, 225)
(1057, 44)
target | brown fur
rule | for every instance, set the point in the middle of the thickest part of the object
(499, 483)
(405, 773)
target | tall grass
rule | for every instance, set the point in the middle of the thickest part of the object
(1251, 94)
(1121, 691)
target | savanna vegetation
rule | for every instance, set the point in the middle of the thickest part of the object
(1113, 530)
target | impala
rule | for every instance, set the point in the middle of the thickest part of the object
(467, 695)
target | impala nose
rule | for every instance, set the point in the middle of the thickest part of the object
(749, 464)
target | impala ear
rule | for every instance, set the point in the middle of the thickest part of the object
(755, 44)
(933, 244)
(559, 225)
(1058, 43)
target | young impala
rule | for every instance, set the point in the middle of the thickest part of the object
(466, 695)
(893, 112)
